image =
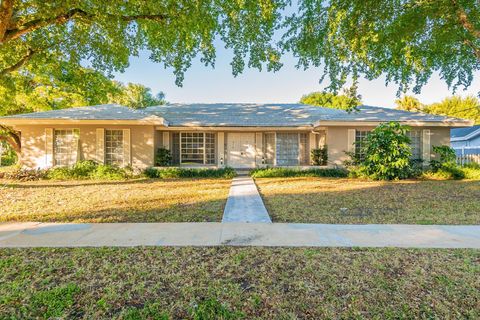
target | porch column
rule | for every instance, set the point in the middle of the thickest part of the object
(258, 149)
(221, 149)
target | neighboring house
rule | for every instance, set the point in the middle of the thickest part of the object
(235, 135)
(466, 140)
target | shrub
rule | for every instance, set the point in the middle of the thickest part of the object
(319, 156)
(446, 155)
(291, 172)
(387, 153)
(163, 157)
(8, 157)
(171, 173)
(471, 172)
(89, 170)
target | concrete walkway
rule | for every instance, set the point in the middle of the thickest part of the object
(244, 203)
(237, 234)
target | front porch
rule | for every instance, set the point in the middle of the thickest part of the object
(240, 149)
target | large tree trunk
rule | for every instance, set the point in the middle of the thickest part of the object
(12, 137)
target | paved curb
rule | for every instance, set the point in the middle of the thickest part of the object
(237, 234)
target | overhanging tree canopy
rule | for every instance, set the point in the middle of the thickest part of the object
(107, 33)
(405, 40)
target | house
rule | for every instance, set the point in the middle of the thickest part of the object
(465, 141)
(212, 135)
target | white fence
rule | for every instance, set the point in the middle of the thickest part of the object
(467, 155)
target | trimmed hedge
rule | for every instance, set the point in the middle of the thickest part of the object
(170, 173)
(293, 172)
(81, 170)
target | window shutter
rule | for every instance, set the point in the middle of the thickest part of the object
(48, 147)
(76, 151)
(351, 140)
(127, 155)
(100, 149)
(426, 145)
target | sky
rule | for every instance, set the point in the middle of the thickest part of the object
(207, 85)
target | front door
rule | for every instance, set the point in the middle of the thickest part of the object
(241, 150)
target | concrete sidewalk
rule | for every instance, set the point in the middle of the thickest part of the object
(244, 203)
(237, 234)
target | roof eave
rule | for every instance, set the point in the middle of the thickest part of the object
(23, 121)
(415, 123)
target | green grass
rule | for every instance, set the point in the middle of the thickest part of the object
(141, 200)
(238, 283)
(330, 200)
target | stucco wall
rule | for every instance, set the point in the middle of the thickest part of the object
(33, 143)
(337, 141)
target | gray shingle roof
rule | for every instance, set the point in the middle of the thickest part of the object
(235, 114)
(278, 115)
(99, 112)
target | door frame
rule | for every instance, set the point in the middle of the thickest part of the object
(253, 163)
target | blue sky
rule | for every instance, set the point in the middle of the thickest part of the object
(207, 85)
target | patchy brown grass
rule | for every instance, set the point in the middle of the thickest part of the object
(332, 200)
(239, 283)
(143, 200)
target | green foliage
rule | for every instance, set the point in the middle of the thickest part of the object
(211, 308)
(81, 170)
(53, 303)
(135, 96)
(171, 173)
(319, 156)
(387, 153)
(409, 103)
(163, 157)
(331, 100)
(63, 88)
(456, 106)
(290, 172)
(151, 311)
(447, 172)
(403, 41)
(107, 33)
(8, 157)
(446, 156)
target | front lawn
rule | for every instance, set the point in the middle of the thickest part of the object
(239, 283)
(142, 200)
(333, 200)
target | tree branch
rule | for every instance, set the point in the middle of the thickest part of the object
(16, 31)
(19, 64)
(6, 12)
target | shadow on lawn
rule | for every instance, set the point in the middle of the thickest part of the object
(81, 183)
(364, 202)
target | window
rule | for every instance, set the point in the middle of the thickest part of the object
(65, 147)
(304, 154)
(114, 147)
(287, 149)
(360, 135)
(269, 148)
(197, 148)
(415, 143)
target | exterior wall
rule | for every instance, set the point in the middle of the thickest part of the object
(337, 141)
(142, 142)
(146, 139)
(474, 142)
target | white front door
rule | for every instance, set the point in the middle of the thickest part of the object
(241, 150)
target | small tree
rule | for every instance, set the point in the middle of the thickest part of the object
(387, 152)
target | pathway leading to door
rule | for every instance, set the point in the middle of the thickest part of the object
(244, 203)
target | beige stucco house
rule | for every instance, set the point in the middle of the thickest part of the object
(212, 135)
